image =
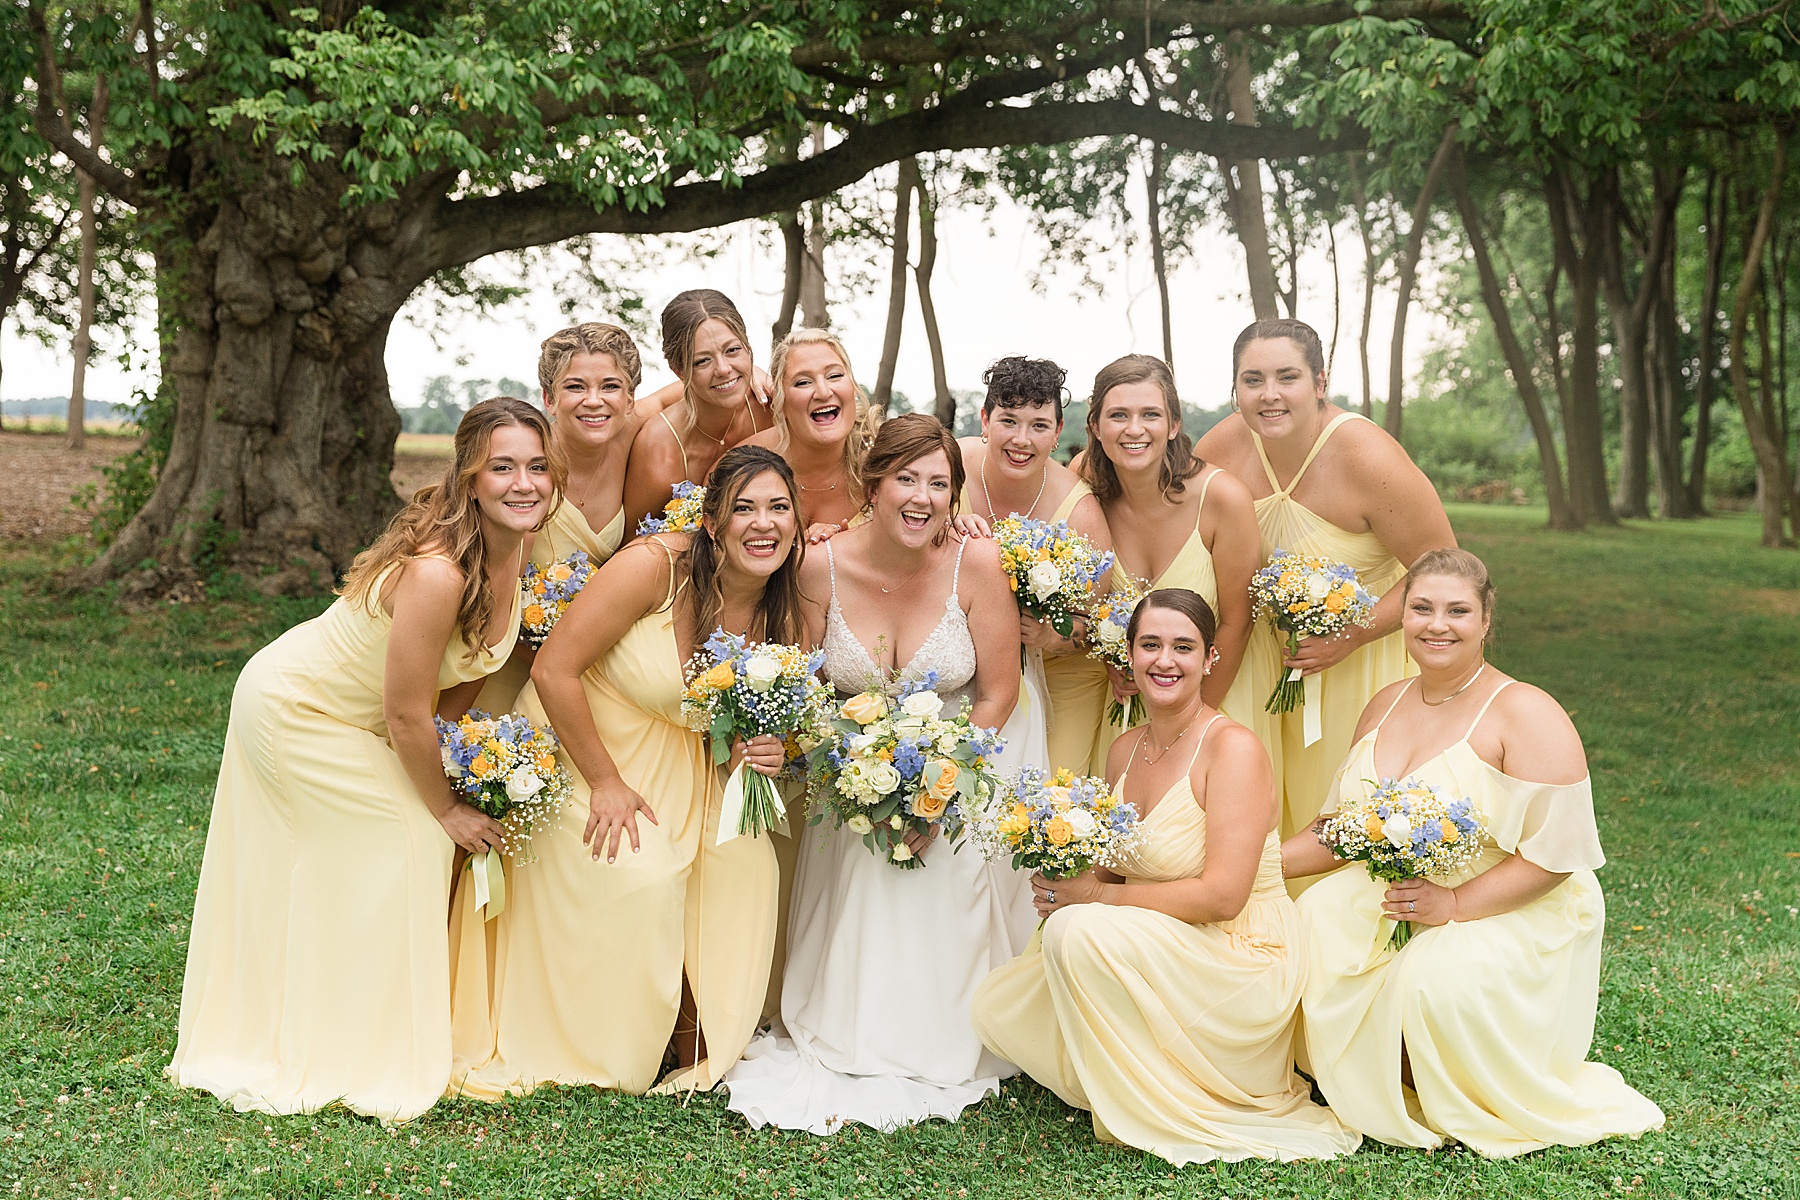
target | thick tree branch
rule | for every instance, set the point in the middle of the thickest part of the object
(53, 123)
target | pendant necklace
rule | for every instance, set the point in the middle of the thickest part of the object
(1453, 695)
(994, 514)
(1160, 754)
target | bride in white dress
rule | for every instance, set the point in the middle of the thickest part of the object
(882, 963)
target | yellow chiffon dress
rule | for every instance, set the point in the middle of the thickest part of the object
(1342, 691)
(1178, 1038)
(1192, 568)
(317, 969)
(1495, 1016)
(589, 957)
(1078, 689)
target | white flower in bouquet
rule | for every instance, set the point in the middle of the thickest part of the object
(902, 852)
(761, 671)
(926, 705)
(859, 825)
(1045, 580)
(1398, 831)
(523, 784)
(452, 768)
(1082, 823)
(883, 777)
(1317, 588)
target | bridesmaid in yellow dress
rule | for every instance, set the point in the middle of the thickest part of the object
(1351, 494)
(1011, 471)
(1478, 1029)
(823, 427)
(1162, 999)
(721, 403)
(1180, 524)
(595, 957)
(317, 968)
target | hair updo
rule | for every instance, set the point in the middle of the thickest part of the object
(1185, 601)
(1456, 563)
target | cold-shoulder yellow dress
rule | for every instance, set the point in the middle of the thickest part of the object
(1340, 692)
(1192, 568)
(589, 957)
(1178, 1038)
(317, 969)
(1494, 1016)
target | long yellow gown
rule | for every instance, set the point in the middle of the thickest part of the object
(1078, 690)
(1178, 1038)
(317, 968)
(1495, 1016)
(1344, 690)
(1192, 568)
(589, 957)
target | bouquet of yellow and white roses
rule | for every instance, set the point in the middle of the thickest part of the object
(890, 766)
(680, 515)
(1405, 829)
(1052, 570)
(1059, 829)
(507, 768)
(1108, 620)
(1304, 595)
(742, 689)
(548, 591)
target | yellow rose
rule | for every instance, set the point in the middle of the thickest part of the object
(1014, 825)
(719, 678)
(940, 777)
(546, 763)
(559, 572)
(1450, 831)
(534, 614)
(481, 766)
(929, 807)
(866, 708)
(1334, 603)
(1372, 827)
(1059, 831)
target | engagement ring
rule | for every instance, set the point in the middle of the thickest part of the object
(1049, 897)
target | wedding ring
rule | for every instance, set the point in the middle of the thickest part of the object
(1050, 897)
(1412, 906)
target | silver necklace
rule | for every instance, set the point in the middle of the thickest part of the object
(1453, 695)
(1164, 752)
(994, 513)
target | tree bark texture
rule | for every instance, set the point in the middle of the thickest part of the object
(81, 347)
(1158, 256)
(944, 401)
(1243, 183)
(1410, 254)
(1771, 465)
(1584, 427)
(1360, 196)
(904, 185)
(1718, 214)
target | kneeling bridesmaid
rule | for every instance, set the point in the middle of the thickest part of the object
(1162, 998)
(1478, 1028)
(318, 970)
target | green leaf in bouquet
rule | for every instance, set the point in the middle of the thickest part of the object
(721, 737)
(885, 809)
(1064, 624)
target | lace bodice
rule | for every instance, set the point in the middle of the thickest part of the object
(948, 649)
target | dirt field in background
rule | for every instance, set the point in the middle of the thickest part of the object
(39, 475)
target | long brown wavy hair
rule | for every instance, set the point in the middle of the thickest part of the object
(446, 517)
(1179, 462)
(778, 616)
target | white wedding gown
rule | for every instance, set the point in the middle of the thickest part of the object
(882, 963)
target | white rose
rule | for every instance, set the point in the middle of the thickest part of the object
(1317, 588)
(910, 727)
(902, 852)
(1111, 634)
(523, 784)
(761, 671)
(1398, 831)
(883, 777)
(451, 767)
(1082, 822)
(858, 825)
(923, 704)
(948, 741)
(861, 744)
(1045, 580)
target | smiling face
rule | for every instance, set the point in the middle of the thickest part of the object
(1134, 427)
(1020, 440)
(1169, 657)
(590, 401)
(719, 366)
(818, 395)
(1277, 390)
(912, 505)
(759, 531)
(1443, 623)
(513, 487)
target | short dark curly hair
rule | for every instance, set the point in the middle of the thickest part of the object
(1019, 382)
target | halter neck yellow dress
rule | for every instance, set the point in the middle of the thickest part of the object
(1495, 1016)
(1192, 568)
(589, 957)
(1178, 1038)
(1305, 772)
(317, 967)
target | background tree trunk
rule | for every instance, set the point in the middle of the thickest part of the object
(944, 400)
(1584, 430)
(1771, 471)
(82, 347)
(785, 149)
(1243, 183)
(814, 313)
(1153, 197)
(908, 180)
(1409, 271)
(1718, 214)
(1368, 307)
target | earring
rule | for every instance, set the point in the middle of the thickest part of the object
(984, 439)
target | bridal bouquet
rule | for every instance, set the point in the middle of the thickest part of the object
(1108, 620)
(892, 766)
(741, 689)
(548, 591)
(1405, 829)
(505, 767)
(1058, 829)
(680, 515)
(1052, 570)
(1303, 595)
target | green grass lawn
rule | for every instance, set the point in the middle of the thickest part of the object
(1677, 647)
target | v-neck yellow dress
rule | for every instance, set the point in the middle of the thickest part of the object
(317, 969)
(1344, 690)
(1178, 1038)
(1496, 1015)
(1192, 568)
(589, 957)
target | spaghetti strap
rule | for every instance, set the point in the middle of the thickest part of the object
(1204, 730)
(669, 553)
(1204, 485)
(1406, 687)
(831, 568)
(955, 575)
(1318, 445)
(1485, 707)
(679, 445)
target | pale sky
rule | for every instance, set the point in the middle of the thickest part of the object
(986, 309)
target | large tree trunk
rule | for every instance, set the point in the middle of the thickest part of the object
(1409, 273)
(1368, 306)
(1158, 257)
(944, 401)
(785, 148)
(813, 310)
(908, 180)
(1718, 213)
(1771, 465)
(1668, 397)
(82, 347)
(1584, 429)
(1243, 183)
(1562, 515)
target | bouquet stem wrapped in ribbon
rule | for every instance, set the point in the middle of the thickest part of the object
(742, 689)
(1304, 595)
(1405, 829)
(507, 768)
